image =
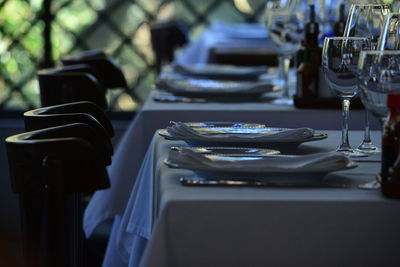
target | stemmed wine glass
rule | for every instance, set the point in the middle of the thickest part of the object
(286, 31)
(389, 39)
(367, 20)
(270, 7)
(339, 60)
(379, 75)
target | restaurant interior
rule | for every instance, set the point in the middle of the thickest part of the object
(177, 133)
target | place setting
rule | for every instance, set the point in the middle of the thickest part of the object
(362, 63)
(200, 83)
(250, 154)
(240, 134)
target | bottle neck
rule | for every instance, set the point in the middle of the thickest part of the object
(312, 29)
(341, 13)
(341, 23)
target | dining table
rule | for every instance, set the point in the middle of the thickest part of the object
(131, 149)
(332, 224)
(222, 35)
(172, 232)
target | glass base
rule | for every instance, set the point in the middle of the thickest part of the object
(352, 153)
(368, 147)
(373, 185)
(283, 101)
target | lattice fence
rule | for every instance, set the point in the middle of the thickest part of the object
(119, 27)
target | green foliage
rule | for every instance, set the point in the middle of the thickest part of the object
(119, 27)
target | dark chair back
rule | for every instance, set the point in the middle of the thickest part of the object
(166, 36)
(50, 169)
(80, 68)
(111, 75)
(83, 111)
(74, 144)
(65, 87)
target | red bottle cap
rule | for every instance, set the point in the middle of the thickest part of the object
(393, 101)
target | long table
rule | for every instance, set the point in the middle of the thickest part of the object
(130, 152)
(193, 226)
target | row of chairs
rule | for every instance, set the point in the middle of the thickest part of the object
(83, 77)
(62, 157)
(63, 154)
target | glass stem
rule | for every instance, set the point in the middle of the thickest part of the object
(281, 67)
(367, 137)
(345, 126)
(285, 75)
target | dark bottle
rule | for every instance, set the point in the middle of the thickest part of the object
(390, 138)
(339, 26)
(391, 187)
(310, 58)
(306, 77)
(312, 29)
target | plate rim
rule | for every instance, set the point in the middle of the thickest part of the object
(350, 165)
(192, 148)
(316, 137)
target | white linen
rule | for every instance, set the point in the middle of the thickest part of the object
(181, 131)
(207, 86)
(138, 221)
(219, 70)
(318, 162)
(135, 226)
(199, 50)
(130, 152)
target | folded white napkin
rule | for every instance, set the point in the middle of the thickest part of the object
(212, 86)
(218, 69)
(241, 30)
(319, 162)
(182, 131)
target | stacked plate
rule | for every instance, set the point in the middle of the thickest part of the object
(244, 164)
(215, 82)
(220, 71)
(240, 134)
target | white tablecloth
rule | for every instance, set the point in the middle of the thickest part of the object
(238, 226)
(223, 35)
(130, 152)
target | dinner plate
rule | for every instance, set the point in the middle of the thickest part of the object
(223, 124)
(220, 71)
(191, 87)
(281, 175)
(226, 152)
(244, 142)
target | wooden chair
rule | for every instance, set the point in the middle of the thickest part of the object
(83, 111)
(111, 76)
(166, 36)
(59, 87)
(51, 169)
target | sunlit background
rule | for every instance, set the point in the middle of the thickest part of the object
(119, 27)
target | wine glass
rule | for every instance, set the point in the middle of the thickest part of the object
(270, 7)
(390, 35)
(339, 61)
(286, 31)
(379, 74)
(367, 20)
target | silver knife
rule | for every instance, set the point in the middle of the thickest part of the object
(179, 99)
(201, 181)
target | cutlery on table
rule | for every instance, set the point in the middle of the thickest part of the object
(177, 99)
(201, 181)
